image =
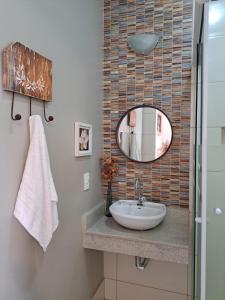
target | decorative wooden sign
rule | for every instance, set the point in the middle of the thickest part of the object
(27, 72)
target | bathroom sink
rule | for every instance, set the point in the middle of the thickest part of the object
(128, 214)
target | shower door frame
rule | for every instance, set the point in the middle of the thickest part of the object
(201, 220)
(204, 150)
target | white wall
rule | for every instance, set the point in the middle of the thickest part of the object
(70, 33)
(215, 61)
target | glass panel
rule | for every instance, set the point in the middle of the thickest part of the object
(198, 162)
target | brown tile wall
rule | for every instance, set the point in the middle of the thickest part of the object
(162, 79)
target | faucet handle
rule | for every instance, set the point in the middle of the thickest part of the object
(141, 200)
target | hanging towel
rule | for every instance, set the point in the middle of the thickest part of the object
(135, 152)
(125, 143)
(36, 204)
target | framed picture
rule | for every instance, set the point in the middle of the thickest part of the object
(83, 139)
(132, 118)
(27, 72)
(159, 124)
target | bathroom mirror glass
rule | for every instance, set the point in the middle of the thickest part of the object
(144, 133)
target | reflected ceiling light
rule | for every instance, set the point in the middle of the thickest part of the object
(214, 16)
(143, 43)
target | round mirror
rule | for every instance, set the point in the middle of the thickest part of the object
(144, 133)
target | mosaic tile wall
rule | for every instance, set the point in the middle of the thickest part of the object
(162, 79)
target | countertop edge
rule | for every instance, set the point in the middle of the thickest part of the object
(135, 239)
(120, 245)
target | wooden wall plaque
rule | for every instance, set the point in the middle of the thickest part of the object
(27, 72)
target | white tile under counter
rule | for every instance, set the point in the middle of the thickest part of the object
(167, 242)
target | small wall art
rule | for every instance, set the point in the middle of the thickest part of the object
(83, 139)
(27, 72)
(159, 124)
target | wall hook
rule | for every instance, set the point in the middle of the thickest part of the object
(47, 119)
(30, 106)
(17, 116)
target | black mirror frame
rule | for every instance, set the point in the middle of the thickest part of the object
(121, 119)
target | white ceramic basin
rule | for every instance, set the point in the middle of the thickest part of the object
(128, 214)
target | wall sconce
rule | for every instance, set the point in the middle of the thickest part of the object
(143, 43)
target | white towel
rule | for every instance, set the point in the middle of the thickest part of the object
(125, 142)
(36, 204)
(135, 151)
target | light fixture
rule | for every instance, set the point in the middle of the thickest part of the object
(143, 43)
(214, 16)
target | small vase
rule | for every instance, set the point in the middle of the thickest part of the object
(108, 200)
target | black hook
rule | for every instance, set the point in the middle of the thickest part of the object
(30, 106)
(50, 118)
(17, 116)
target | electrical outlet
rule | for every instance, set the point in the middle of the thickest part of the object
(86, 181)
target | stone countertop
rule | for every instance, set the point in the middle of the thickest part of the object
(168, 241)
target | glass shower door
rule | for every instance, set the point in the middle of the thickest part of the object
(210, 158)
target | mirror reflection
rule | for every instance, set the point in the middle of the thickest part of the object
(144, 134)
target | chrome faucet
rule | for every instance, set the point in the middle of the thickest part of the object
(138, 191)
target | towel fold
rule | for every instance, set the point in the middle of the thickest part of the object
(36, 204)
